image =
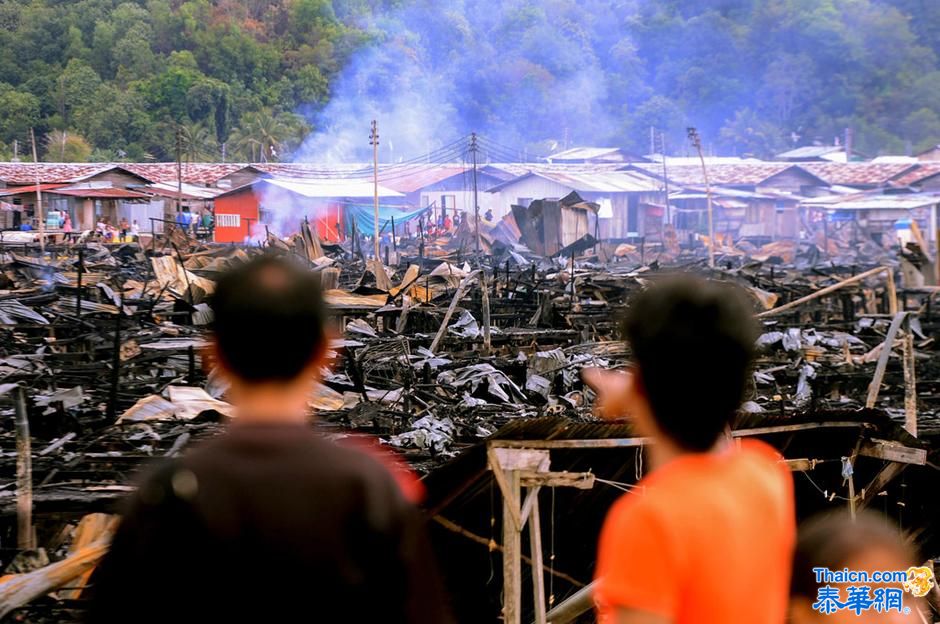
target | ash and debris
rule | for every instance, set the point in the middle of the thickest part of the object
(112, 378)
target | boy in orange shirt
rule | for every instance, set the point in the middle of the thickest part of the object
(708, 535)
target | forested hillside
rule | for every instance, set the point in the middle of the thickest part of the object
(104, 79)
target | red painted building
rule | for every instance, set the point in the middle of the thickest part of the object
(283, 203)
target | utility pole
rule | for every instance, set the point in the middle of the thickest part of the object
(476, 204)
(696, 141)
(179, 169)
(42, 221)
(666, 217)
(374, 142)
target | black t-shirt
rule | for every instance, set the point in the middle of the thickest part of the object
(269, 523)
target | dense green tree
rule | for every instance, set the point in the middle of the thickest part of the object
(754, 76)
(19, 112)
(75, 87)
(66, 146)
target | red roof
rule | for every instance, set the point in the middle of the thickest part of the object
(102, 193)
(192, 173)
(857, 174)
(49, 173)
(732, 174)
(920, 173)
(22, 190)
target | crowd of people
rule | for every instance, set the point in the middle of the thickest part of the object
(269, 521)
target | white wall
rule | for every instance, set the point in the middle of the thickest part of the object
(532, 187)
(463, 200)
(142, 213)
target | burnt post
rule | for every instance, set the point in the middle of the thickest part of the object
(191, 376)
(116, 363)
(81, 271)
(24, 476)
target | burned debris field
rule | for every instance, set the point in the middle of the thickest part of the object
(456, 360)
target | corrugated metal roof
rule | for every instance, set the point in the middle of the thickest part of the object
(189, 191)
(51, 173)
(588, 153)
(592, 182)
(21, 190)
(918, 174)
(408, 179)
(192, 173)
(322, 189)
(811, 151)
(880, 201)
(857, 174)
(736, 174)
(100, 193)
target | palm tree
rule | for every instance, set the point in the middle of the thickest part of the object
(261, 134)
(197, 142)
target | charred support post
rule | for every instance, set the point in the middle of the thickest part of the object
(191, 376)
(484, 290)
(901, 321)
(78, 292)
(24, 476)
(115, 364)
(453, 306)
(910, 382)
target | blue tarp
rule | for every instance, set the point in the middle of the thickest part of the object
(364, 217)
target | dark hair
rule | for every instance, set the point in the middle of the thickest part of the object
(692, 342)
(269, 318)
(832, 540)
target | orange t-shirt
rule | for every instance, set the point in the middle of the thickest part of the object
(708, 539)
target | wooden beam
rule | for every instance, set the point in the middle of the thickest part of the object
(910, 383)
(458, 295)
(505, 487)
(579, 480)
(522, 459)
(801, 465)
(831, 289)
(605, 443)
(531, 501)
(755, 431)
(881, 480)
(571, 444)
(22, 589)
(875, 386)
(512, 556)
(484, 289)
(535, 546)
(893, 451)
(24, 476)
(573, 607)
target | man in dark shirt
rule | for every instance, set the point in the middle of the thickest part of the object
(268, 522)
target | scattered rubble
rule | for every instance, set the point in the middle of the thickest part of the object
(437, 353)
